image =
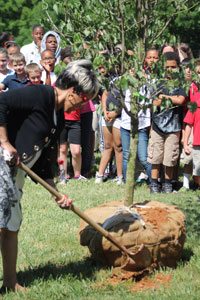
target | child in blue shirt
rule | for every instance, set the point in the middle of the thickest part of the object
(18, 79)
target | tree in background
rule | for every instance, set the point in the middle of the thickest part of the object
(18, 17)
(91, 26)
(95, 26)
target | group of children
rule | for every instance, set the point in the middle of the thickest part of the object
(34, 64)
(164, 133)
(160, 133)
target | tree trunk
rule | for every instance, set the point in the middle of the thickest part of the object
(130, 176)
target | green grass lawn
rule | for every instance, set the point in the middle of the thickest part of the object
(53, 265)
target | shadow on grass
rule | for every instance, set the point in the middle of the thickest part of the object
(84, 269)
(186, 255)
(191, 209)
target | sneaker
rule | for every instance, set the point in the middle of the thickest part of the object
(167, 187)
(118, 179)
(98, 178)
(80, 177)
(62, 179)
(143, 177)
(155, 187)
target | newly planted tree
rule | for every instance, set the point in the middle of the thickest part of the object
(96, 27)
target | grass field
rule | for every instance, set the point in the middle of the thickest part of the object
(53, 265)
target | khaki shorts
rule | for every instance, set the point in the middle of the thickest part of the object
(196, 160)
(163, 149)
(186, 159)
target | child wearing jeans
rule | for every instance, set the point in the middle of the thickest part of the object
(166, 128)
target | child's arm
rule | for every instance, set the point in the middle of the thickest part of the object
(176, 100)
(183, 134)
(47, 70)
(188, 129)
(103, 100)
(2, 87)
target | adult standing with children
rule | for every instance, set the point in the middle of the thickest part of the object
(38, 111)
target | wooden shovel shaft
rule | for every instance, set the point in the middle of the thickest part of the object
(75, 209)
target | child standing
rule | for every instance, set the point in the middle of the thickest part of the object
(192, 120)
(166, 128)
(18, 79)
(4, 71)
(48, 61)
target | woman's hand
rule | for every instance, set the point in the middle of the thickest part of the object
(65, 202)
(7, 147)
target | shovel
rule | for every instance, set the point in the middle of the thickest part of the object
(129, 259)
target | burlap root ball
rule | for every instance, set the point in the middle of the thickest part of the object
(154, 231)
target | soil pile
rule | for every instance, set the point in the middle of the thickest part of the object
(132, 282)
(154, 232)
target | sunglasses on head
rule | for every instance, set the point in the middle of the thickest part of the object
(10, 43)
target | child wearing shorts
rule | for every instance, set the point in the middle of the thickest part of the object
(166, 127)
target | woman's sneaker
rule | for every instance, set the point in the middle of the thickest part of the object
(118, 179)
(80, 177)
(98, 178)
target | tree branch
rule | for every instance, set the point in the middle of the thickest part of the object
(51, 21)
(176, 11)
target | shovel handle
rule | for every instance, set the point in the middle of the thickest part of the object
(75, 209)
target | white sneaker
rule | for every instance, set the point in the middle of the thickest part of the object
(82, 178)
(118, 179)
(142, 177)
(98, 178)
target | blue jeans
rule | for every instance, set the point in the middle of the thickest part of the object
(143, 138)
(125, 137)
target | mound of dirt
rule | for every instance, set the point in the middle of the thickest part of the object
(152, 231)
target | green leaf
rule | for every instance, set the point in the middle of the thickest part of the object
(55, 8)
(124, 84)
(192, 106)
(154, 108)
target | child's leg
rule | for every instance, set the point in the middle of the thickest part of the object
(171, 154)
(76, 159)
(196, 163)
(155, 157)
(108, 148)
(118, 150)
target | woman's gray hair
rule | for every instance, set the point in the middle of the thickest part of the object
(80, 75)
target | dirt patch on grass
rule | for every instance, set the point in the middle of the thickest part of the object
(137, 281)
